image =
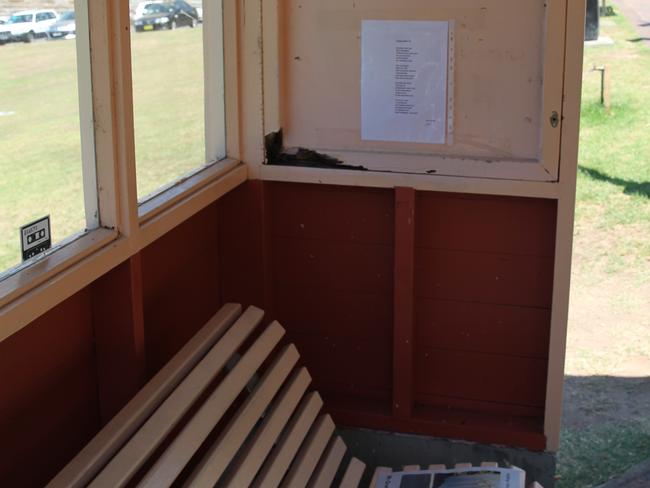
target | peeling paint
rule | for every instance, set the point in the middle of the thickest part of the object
(277, 154)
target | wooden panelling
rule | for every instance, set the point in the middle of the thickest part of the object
(347, 365)
(332, 213)
(488, 377)
(333, 265)
(489, 224)
(180, 277)
(48, 399)
(503, 279)
(119, 336)
(241, 246)
(481, 327)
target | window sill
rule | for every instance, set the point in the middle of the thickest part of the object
(40, 286)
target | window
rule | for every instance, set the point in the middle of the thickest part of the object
(167, 53)
(40, 131)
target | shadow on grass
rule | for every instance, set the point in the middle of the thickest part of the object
(639, 39)
(606, 428)
(641, 188)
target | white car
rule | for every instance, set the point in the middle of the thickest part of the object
(141, 7)
(27, 25)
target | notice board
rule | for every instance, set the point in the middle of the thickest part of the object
(500, 85)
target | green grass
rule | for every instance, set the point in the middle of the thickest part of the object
(40, 157)
(590, 458)
(613, 195)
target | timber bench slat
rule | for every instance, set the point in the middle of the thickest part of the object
(268, 430)
(83, 468)
(265, 428)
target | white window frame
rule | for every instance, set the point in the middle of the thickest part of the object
(120, 226)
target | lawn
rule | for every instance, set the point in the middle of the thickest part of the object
(607, 393)
(40, 157)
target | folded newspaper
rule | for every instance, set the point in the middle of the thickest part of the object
(455, 478)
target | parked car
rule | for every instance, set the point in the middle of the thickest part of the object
(65, 27)
(166, 15)
(27, 25)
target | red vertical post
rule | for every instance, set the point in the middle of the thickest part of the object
(403, 298)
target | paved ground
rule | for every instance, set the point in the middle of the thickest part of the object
(638, 11)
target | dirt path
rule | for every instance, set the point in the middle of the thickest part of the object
(638, 12)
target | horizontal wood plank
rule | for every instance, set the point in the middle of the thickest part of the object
(287, 446)
(329, 464)
(133, 455)
(334, 266)
(484, 377)
(108, 441)
(482, 327)
(332, 213)
(492, 224)
(310, 453)
(170, 464)
(504, 279)
(219, 456)
(353, 474)
(255, 452)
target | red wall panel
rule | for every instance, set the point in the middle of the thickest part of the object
(48, 401)
(484, 282)
(331, 266)
(180, 274)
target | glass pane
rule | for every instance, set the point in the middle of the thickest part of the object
(40, 144)
(168, 92)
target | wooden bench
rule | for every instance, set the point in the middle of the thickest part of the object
(274, 437)
(214, 415)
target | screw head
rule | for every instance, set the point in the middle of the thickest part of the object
(555, 119)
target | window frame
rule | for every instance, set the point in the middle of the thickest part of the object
(123, 225)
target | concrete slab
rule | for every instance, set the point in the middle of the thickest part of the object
(601, 41)
(397, 450)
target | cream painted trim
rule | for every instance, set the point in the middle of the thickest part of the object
(566, 208)
(251, 82)
(544, 168)
(550, 136)
(40, 287)
(179, 190)
(86, 119)
(453, 184)
(214, 80)
(159, 223)
(54, 262)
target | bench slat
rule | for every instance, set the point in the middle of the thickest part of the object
(131, 457)
(329, 464)
(255, 452)
(219, 456)
(310, 453)
(276, 466)
(180, 451)
(353, 474)
(379, 471)
(97, 453)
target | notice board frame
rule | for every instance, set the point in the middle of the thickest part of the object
(420, 170)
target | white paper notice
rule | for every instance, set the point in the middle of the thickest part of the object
(404, 81)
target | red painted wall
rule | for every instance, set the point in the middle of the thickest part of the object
(441, 300)
(323, 259)
(48, 400)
